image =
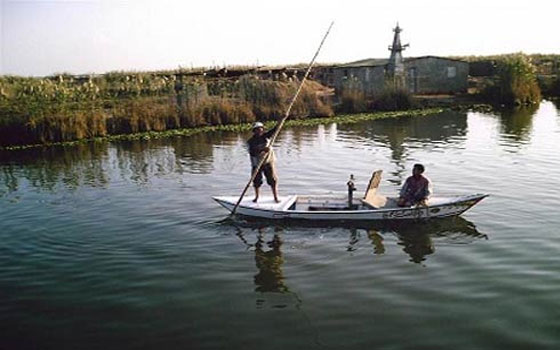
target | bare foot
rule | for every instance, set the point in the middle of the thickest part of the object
(276, 200)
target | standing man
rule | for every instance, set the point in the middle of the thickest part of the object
(416, 189)
(259, 148)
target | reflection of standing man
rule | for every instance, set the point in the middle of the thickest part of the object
(270, 277)
(259, 148)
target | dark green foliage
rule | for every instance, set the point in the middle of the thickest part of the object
(550, 86)
(555, 89)
(516, 82)
(393, 99)
(352, 101)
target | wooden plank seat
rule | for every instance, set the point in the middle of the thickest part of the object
(371, 198)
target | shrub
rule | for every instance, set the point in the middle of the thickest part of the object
(352, 100)
(555, 87)
(516, 82)
(393, 98)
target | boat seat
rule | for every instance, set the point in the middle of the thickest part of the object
(377, 202)
(288, 203)
(371, 198)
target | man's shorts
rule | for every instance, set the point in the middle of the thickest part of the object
(269, 173)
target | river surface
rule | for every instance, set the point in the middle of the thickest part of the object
(120, 246)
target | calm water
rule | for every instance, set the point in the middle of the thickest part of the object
(119, 246)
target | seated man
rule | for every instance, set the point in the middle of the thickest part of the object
(416, 189)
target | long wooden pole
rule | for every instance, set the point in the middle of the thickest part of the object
(281, 123)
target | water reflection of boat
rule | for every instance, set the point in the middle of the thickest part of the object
(373, 207)
(416, 240)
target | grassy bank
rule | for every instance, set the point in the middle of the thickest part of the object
(391, 98)
(66, 108)
(62, 109)
(340, 119)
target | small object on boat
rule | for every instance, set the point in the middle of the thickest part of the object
(372, 207)
(351, 189)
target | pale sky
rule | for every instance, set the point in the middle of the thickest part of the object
(41, 37)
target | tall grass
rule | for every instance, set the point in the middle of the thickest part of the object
(516, 82)
(352, 101)
(65, 108)
(394, 97)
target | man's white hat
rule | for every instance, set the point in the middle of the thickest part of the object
(258, 125)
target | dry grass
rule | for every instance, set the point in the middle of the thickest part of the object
(66, 108)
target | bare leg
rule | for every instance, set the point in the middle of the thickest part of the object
(275, 193)
(256, 195)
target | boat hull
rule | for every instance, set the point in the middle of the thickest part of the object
(438, 207)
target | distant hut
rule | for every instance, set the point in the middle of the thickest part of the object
(436, 75)
(419, 75)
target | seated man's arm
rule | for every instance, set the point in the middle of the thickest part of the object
(426, 193)
(429, 190)
(404, 189)
(401, 202)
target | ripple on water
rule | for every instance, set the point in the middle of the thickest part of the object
(122, 246)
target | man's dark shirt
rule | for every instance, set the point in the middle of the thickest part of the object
(258, 143)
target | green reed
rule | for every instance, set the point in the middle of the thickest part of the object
(149, 135)
(515, 82)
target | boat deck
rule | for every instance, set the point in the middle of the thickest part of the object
(266, 202)
(313, 203)
(320, 203)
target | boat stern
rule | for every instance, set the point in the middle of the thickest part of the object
(227, 202)
(264, 207)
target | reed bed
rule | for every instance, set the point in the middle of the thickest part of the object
(66, 108)
(515, 83)
(393, 97)
(518, 81)
(151, 135)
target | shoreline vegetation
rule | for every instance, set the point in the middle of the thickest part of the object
(64, 109)
(67, 108)
(148, 135)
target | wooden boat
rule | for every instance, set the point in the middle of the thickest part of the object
(373, 207)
